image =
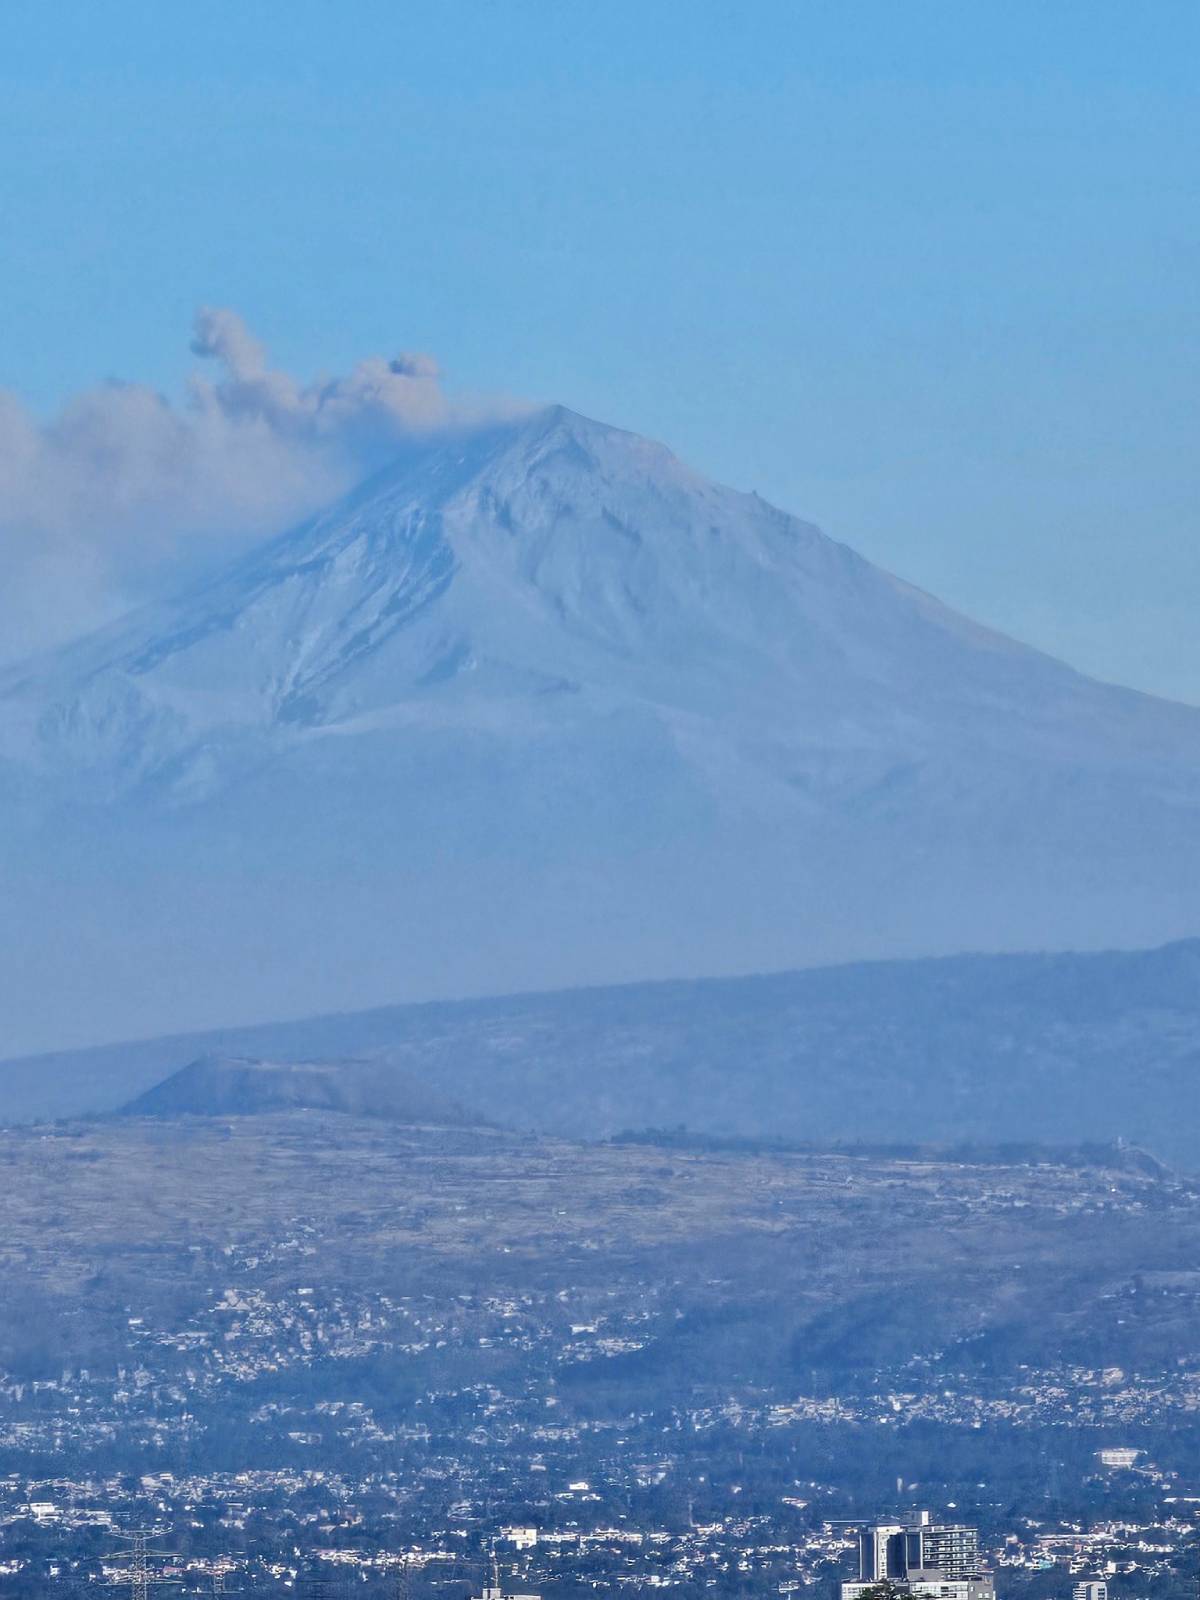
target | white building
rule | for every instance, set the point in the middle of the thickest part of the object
(523, 1538)
(1090, 1589)
(930, 1585)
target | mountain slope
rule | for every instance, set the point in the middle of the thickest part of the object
(541, 705)
(560, 568)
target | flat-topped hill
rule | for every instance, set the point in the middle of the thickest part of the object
(241, 1086)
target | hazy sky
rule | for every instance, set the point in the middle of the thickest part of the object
(925, 273)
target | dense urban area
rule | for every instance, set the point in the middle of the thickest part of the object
(313, 1349)
(320, 1532)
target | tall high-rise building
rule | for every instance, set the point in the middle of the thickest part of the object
(881, 1552)
(928, 1560)
(948, 1548)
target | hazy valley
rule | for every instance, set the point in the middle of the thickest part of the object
(1037, 1048)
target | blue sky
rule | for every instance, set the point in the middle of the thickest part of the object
(923, 272)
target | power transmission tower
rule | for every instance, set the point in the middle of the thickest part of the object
(319, 1586)
(217, 1580)
(138, 1576)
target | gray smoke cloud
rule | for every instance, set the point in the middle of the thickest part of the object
(124, 488)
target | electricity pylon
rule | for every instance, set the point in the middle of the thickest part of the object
(217, 1580)
(138, 1576)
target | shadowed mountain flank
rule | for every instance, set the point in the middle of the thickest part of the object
(240, 1086)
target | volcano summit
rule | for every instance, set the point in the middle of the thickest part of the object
(541, 705)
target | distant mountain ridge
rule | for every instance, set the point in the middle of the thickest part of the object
(540, 705)
(1035, 1049)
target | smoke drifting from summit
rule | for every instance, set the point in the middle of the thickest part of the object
(104, 503)
(378, 399)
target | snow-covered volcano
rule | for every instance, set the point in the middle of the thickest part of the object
(541, 704)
